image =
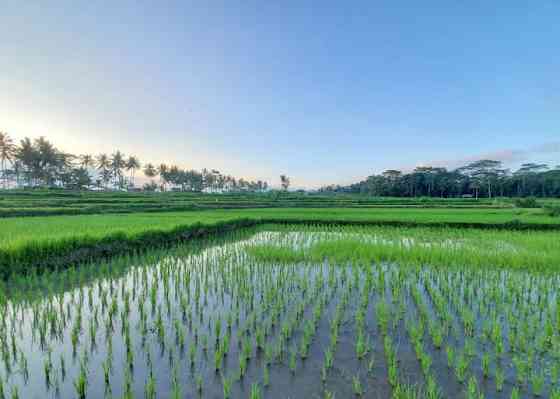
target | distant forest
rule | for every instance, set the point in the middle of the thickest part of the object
(484, 178)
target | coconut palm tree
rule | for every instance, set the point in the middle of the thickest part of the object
(284, 182)
(86, 161)
(26, 156)
(163, 169)
(117, 165)
(103, 167)
(7, 153)
(131, 165)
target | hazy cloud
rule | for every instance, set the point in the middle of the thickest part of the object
(507, 156)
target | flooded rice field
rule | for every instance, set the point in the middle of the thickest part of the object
(285, 313)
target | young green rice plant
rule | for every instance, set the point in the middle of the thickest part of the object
(48, 368)
(62, 367)
(515, 393)
(242, 365)
(405, 391)
(554, 372)
(432, 391)
(473, 391)
(537, 381)
(199, 383)
(500, 378)
(127, 394)
(226, 386)
(393, 373)
(470, 349)
(80, 383)
(450, 351)
(255, 391)
(382, 313)
(293, 360)
(425, 363)
(218, 356)
(485, 364)
(150, 388)
(357, 386)
(323, 374)
(371, 363)
(362, 346)
(520, 368)
(23, 367)
(106, 365)
(461, 367)
(175, 387)
(266, 375)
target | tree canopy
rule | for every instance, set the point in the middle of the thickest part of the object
(483, 178)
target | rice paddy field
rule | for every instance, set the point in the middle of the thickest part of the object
(17, 231)
(294, 311)
(59, 202)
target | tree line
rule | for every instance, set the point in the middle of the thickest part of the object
(483, 178)
(38, 163)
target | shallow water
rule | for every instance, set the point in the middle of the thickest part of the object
(165, 307)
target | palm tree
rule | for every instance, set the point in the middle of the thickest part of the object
(86, 161)
(117, 164)
(25, 155)
(7, 153)
(284, 182)
(162, 170)
(131, 164)
(103, 165)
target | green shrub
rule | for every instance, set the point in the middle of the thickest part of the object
(529, 202)
(552, 210)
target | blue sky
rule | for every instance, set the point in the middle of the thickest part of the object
(326, 92)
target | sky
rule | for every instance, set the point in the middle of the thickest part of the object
(325, 92)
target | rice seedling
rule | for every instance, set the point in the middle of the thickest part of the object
(537, 382)
(461, 367)
(432, 391)
(357, 386)
(255, 391)
(199, 383)
(81, 383)
(226, 385)
(150, 388)
(473, 391)
(500, 378)
(266, 375)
